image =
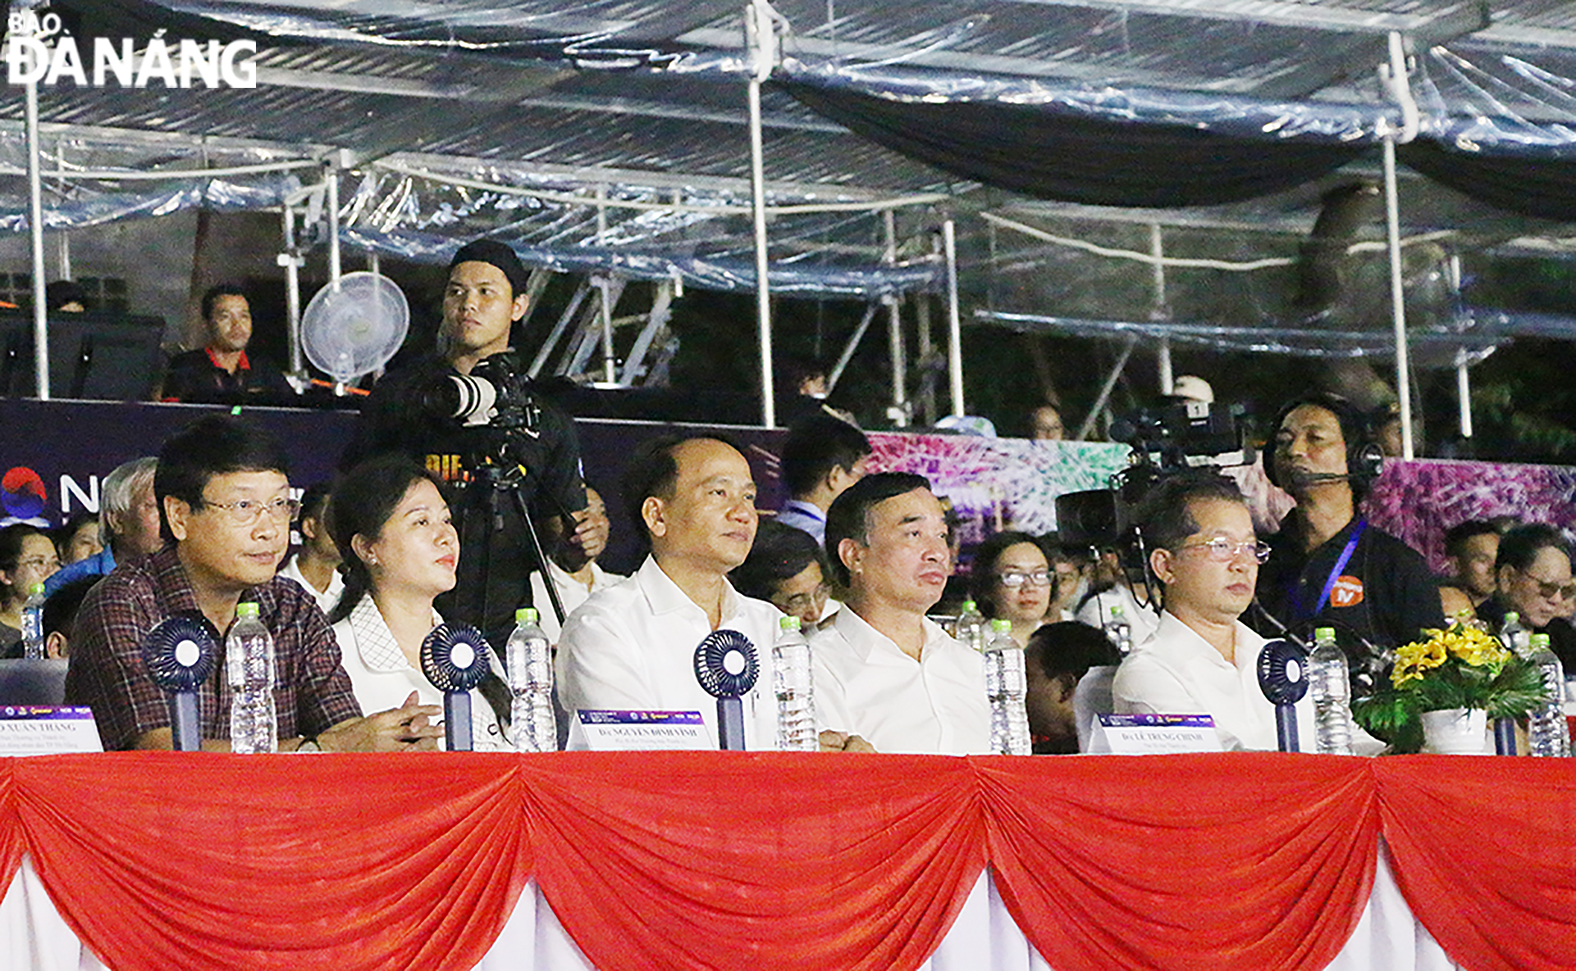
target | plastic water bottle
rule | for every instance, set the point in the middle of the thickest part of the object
(1547, 733)
(249, 666)
(33, 623)
(1118, 631)
(792, 682)
(529, 660)
(970, 628)
(1514, 636)
(1332, 692)
(1005, 687)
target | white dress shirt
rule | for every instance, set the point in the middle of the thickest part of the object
(631, 647)
(325, 600)
(866, 685)
(571, 591)
(383, 678)
(1177, 672)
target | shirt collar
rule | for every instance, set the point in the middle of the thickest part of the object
(664, 596)
(241, 365)
(864, 639)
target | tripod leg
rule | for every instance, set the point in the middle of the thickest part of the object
(541, 558)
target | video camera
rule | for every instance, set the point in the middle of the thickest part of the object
(1165, 441)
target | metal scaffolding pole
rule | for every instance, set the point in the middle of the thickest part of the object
(949, 244)
(35, 225)
(762, 44)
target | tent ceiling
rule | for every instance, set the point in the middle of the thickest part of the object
(647, 98)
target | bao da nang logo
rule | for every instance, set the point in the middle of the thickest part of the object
(38, 51)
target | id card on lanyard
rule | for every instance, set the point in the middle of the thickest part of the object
(1294, 597)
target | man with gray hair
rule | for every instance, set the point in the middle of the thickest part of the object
(128, 522)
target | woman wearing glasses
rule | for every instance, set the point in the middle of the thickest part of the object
(1533, 573)
(390, 519)
(27, 556)
(1202, 660)
(1013, 579)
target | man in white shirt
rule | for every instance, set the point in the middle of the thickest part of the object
(572, 565)
(631, 646)
(315, 564)
(1202, 659)
(882, 669)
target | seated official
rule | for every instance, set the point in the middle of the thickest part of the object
(1532, 570)
(400, 550)
(822, 456)
(1202, 660)
(1013, 579)
(784, 569)
(1057, 658)
(78, 538)
(883, 670)
(572, 561)
(631, 646)
(225, 507)
(60, 615)
(128, 522)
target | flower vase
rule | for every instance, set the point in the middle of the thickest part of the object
(1455, 731)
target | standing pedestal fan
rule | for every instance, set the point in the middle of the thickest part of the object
(354, 329)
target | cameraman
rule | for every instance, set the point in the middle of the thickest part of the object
(534, 443)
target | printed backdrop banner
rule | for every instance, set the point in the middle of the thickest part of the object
(53, 453)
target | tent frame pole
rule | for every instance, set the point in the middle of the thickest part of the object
(35, 226)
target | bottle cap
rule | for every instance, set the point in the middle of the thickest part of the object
(1117, 611)
(1540, 640)
(248, 609)
(788, 623)
(1001, 625)
(36, 588)
(969, 605)
(1324, 633)
(1511, 617)
(526, 615)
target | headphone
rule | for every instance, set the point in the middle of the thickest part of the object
(1364, 458)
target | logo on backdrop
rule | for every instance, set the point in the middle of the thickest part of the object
(37, 50)
(22, 493)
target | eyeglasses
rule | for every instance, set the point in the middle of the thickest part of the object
(1553, 591)
(244, 512)
(44, 562)
(800, 602)
(1039, 578)
(1223, 550)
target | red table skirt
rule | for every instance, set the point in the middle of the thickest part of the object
(786, 861)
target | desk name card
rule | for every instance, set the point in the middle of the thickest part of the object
(637, 731)
(1153, 735)
(47, 730)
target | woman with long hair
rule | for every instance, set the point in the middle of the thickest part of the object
(389, 517)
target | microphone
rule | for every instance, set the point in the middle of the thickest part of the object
(1283, 677)
(454, 659)
(180, 655)
(726, 667)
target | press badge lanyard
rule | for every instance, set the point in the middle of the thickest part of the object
(1335, 571)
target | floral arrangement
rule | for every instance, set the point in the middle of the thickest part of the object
(1461, 667)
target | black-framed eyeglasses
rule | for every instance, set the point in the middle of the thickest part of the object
(1015, 578)
(1553, 591)
(1223, 550)
(244, 512)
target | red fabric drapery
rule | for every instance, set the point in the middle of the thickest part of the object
(1484, 851)
(732, 860)
(1261, 861)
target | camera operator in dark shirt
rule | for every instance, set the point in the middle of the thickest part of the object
(438, 411)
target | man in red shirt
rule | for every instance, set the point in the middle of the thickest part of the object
(220, 372)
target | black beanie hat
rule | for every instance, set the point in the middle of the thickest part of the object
(497, 254)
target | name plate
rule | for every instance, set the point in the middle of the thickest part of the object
(637, 731)
(47, 730)
(1153, 735)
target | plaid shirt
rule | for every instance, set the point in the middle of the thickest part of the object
(311, 691)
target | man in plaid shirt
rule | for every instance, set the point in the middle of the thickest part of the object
(225, 508)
